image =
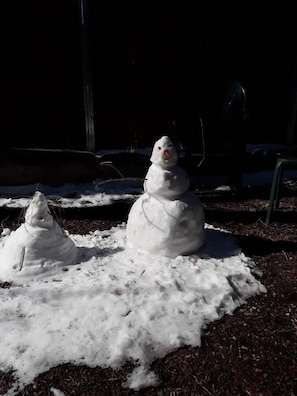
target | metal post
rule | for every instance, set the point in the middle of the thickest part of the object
(87, 76)
(293, 111)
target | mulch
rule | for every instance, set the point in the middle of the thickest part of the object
(252, 352)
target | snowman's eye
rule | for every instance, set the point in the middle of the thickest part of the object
(159, 148)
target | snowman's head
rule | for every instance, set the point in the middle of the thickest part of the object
(164, 153)
(38, 213)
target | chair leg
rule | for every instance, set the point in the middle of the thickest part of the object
(279, 184)
(274, 190)
(236, 181)
(236, 173)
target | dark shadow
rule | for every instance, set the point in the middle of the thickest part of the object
(116, 211)
(219, 245)
(123, 164)
(212, 194)
(119, 211)
(252, 245)
(84, 254)
(228, 217)
(249, 217)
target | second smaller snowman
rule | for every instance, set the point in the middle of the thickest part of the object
(167, 219)
(36, 246)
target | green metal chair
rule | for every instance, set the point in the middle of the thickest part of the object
(228, 144)
(282, 163)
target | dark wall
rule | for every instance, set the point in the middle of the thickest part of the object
(40, 80)
(155, 59)
(150, 60)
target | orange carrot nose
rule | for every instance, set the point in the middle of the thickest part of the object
(166, 153)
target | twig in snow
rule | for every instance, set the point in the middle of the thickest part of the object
(285, 254)
(2, 222)
(110, 164)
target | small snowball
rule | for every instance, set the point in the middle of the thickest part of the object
(5, 232)
(141, 378)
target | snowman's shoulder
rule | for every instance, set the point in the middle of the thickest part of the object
(155, 170)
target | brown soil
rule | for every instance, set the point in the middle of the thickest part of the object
(252, 352)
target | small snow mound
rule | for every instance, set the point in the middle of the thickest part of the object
(39, 244)
(57, 392)
(141, 378)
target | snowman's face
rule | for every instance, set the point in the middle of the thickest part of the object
(37, 213)
(164, 153)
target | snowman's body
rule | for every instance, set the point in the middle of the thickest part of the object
(167, 219)
(38, 245)
(166, 183)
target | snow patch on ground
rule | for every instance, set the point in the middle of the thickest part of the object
(117, 304)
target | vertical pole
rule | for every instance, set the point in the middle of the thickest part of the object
(87, 76)
(293, 110)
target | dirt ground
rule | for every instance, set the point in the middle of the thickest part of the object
(252, 352)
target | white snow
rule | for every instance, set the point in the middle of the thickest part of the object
(98, 193)
(114, 303)
(117, 304)
(56, 392)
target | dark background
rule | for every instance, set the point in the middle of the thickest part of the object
(149, 61)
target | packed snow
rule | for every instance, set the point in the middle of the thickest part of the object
(110, 303)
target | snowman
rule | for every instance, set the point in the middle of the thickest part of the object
(167, 219)
(38, 245)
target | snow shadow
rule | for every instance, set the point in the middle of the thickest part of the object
(218, 244)
(84, 254)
